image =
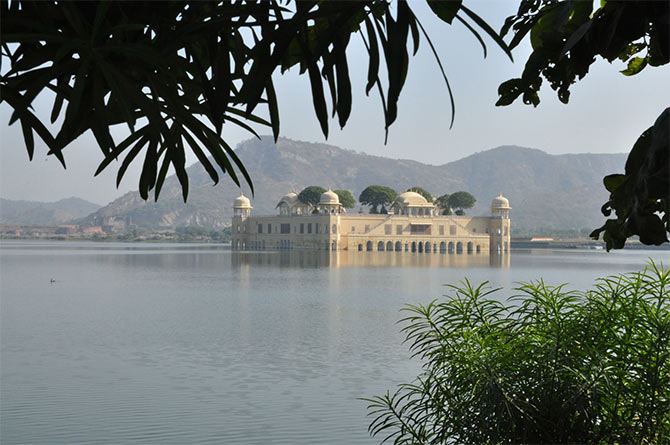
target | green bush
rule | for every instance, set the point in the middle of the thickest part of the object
(548, 366)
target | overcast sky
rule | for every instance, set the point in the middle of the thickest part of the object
(606, 114)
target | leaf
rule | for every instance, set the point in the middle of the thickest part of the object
(613, 182)
(28, 138)
(129, 158)
(474, 32)
(120, 148)
(318, 99)
(444, 75)
(273, 108)
(445, 10)
(211, 171)
(575, 37)
(162, 175)
(179, 161)
(58, 101)
(488, 30)
(635, 65)
(149, 169)
(373, 52)
(343, 82)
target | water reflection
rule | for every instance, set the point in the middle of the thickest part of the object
(318, 259)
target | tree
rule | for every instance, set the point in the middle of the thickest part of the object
(346, 198)
(547, 366)
(311, 195)
(461, 201)
(423, 192)
(377, 195)
(177, 72)
(567, 37)
(443, 203)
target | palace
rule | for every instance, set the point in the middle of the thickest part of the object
(412, 225)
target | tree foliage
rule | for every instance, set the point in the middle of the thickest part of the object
(641, 196)
(311, 195)
(346, 198)
(377, 195)
(177, 72)
(548, 366)
(461, 201)
(567, 37)
(423, 192)
(442, 202)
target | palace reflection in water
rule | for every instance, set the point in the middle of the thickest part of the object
(316, 259)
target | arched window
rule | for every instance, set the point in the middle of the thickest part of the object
(398, 246)
(389, 246)
(459, 247)
(420, 246)
(470, 247)
(443, 247)
(360, 247)
(413, 246)
(380, 246)
(369, 246)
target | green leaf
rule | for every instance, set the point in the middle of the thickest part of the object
(635, 65)
(613, 182)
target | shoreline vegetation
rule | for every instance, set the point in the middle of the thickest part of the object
(545, 365)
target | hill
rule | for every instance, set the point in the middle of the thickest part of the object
(563, 191)
(44, 213)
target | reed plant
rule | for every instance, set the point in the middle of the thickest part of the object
(547, 365)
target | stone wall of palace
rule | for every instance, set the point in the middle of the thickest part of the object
(446, 234)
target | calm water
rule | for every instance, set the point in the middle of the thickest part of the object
(185, 343)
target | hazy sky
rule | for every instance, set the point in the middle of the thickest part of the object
(606, 114)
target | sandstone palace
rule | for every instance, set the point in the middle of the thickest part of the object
(412, 225)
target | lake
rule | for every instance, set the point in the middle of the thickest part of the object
(169, 343)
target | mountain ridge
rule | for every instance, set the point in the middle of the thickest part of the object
(25, 212)
(556, 191)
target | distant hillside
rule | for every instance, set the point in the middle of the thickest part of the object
(44, 213)
(544, 190)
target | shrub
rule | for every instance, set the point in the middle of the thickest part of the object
(547, 366)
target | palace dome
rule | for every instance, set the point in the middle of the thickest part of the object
(329, 197)
(411, 199)
(500, 203)
(242, 202)
(289, 198)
